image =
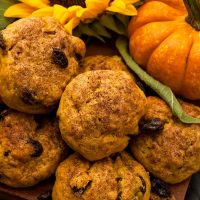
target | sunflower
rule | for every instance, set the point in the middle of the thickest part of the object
(70, 12)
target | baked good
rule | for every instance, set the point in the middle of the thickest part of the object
(31, 148)
(119, 177)
(166, 147)
(37, 59)
(98, 112)
(101, 62)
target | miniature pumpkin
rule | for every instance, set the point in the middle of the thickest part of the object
(165, 40)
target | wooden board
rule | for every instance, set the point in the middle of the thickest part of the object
(32, 193)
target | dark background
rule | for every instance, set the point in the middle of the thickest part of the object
(193, 192)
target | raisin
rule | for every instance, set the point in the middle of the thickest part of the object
(79, 191)
(59, 58)
(68, 3)
(46, 195)
(6, 153)
(152, 125)
(37, 146)
(3, 114)
(29, 97)
(143, 187)
(160, 188)
(2, 42)
(119, 196)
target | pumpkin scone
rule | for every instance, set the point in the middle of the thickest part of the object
(166, 147)
(37, 58)
(118, 177)
(98, 112)
(31, 148)
(101, 62)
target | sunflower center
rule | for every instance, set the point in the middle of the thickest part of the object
(68, 3)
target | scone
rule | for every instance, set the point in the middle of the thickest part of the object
(37, 60)
(101, 62)
(168, 148)
(116, 178)
(98, 112)
(31, 148)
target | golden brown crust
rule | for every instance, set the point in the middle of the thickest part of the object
(38, 62)
(173, 154)
(30, 148)
(98, 110)
(108, 179)
(100, 62)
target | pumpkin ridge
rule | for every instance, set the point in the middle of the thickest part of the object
(186, 65)
(166, 36)
(159, 46)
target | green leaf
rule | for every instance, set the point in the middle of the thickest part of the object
(84, 29)
(163, 91)
(101, 30)
(110, 23)
(123, 19)
(3, 6)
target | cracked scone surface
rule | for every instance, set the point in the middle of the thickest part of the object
(173, 154)
(98, 111)
(37, 59)
(101, 62)
(119, 177)
(31, 148)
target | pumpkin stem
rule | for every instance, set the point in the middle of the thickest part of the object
(193, 8)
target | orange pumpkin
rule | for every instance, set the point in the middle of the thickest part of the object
(165, 40)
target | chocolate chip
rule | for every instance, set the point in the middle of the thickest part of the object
(79, 191)
(59, 58)
(37, 146)
(68, 3)
(160, 188)
(143, 187)
(152, 125)
(2, 42)
(3, 114)
(6, 153)
(28, 97)
(46, 195)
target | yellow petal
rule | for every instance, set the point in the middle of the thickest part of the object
(130, 1)
(46, 1)
(97, 4)
(72, 24)
(43, 12)
(119, 6)
(73, 10)
(35, 3)
(87, 14)
(19, 10)
(60, 13)
(130, 10)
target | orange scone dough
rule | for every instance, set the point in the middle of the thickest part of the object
(31, 148)
(37, 59)
(108, 179)
(98, 111)
(101, 62)
(173, 153)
